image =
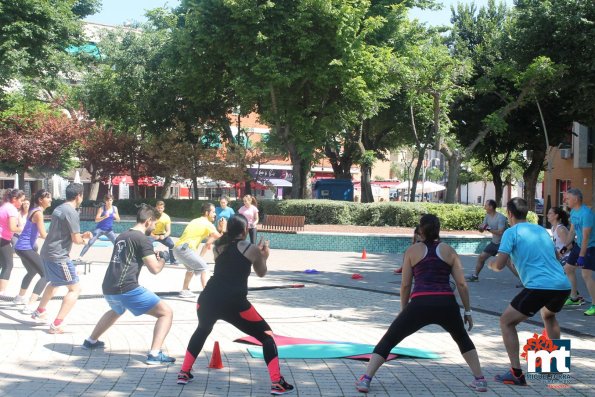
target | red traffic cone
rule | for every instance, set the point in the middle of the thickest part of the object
(216, 357)
(364, 255)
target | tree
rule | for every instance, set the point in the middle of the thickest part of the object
(502, 86)
(306, 67)
(563, 32)
(40, 141)
(34, 36)
(97, 152)
(132, 93)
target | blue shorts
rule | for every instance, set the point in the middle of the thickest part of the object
(139, 301)
(589, 257)
(60, 273)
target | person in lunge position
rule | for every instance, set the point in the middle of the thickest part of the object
(162, 232)
(429, 263)
(225, 298)
(106, 215)
(122, 291)
(545, 284)
(186, 247)
(55, 253)
(495, 223)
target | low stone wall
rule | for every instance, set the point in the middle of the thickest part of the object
(342, 242)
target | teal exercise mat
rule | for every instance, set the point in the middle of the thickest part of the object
(338, 350)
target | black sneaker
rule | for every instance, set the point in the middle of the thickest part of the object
(92, 346)
(281, 387)
(184, 377)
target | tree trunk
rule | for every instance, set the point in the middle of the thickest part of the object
(420, 160)
(341, 163)
(498, 184)
(304, 171)
(136, 190)
(296, 183)
(94, 191)
(365, 185)
(530, 176)
(248, 187)
(454, 168)
(165, 194)
(22, 180)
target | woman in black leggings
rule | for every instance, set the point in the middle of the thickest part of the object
(430, 263)
(225, 298)
(26, 249)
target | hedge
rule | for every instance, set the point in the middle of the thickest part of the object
(321, 212)
(452, 216)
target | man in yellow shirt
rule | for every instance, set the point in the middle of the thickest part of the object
(187, 246)
(162, 231)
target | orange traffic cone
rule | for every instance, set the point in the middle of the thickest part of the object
(216, 357)
(364, 255)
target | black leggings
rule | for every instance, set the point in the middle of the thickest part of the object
(32, 262)
(5, 259)
(252, 234)
(241, 315)
(421, 311)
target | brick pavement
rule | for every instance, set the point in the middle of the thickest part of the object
(332, 306)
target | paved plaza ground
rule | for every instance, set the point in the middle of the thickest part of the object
(331, 306)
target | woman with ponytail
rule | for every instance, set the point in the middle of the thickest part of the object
(225, 298)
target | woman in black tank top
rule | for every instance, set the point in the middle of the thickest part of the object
(225, 298)
(432, 302)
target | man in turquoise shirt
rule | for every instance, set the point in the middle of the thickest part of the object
(582, 219)
(545, 284)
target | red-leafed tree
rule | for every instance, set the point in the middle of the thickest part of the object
(98, 152)
(40, 141)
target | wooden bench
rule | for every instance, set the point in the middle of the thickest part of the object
(283, 223)
(87, 213)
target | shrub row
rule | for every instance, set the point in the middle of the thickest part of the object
(452, 216)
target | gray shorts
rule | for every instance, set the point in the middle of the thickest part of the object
(190, 259)
(491, 249)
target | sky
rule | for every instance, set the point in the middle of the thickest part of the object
(117, 12)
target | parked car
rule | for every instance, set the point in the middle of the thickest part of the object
(539, 206)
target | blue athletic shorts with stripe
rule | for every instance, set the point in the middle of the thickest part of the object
(60, 273)
(139, 301)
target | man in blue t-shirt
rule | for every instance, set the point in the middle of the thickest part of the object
(583, 252)
(223, 212)
(545, 284)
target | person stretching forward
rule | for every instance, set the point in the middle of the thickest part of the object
(122, 291)
(545, 284)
